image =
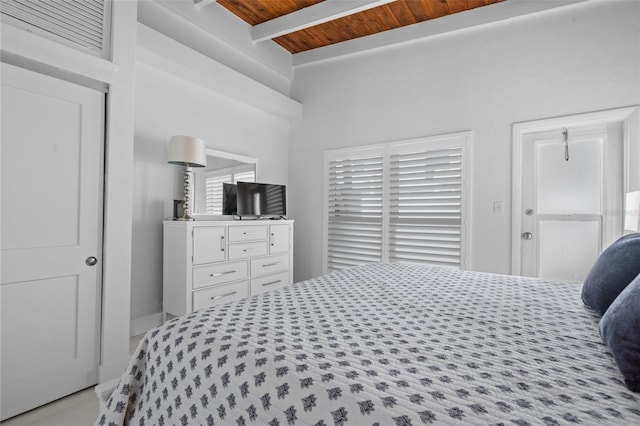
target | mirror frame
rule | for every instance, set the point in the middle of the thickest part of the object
(228, 156)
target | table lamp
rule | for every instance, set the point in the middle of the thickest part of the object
(189, 152)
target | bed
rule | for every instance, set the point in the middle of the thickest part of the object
(381, 344)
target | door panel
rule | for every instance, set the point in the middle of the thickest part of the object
(279, 239)
(52, 138)
(208, 244)
(569, 187)
(54, 187)
(567, 248)
(56, 334)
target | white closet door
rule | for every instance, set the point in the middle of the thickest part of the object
(52, 138)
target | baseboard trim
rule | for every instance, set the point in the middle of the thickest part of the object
(112, 370)
(142, 325)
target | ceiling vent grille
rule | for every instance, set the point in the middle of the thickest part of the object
(82, 24)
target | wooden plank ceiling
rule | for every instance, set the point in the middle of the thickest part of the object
(386, 16)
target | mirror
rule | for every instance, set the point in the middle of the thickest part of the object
(222, 167)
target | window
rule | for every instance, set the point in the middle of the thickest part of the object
(397, 202)
(216, 178)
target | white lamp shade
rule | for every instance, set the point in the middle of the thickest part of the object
(187, 151)
(632, 212)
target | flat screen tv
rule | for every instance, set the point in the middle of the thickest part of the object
(229, 199)
(261, 199)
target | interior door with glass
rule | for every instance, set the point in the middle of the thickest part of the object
(572, 184)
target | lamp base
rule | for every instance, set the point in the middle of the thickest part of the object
(186, 204)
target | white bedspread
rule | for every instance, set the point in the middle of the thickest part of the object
(382, 344)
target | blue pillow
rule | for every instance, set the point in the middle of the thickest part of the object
(614, 269)
(620, 330)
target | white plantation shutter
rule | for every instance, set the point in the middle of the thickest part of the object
(213, 192)
(83, 24)
(399, 202)
(425, 206)
(354, 211)
(247, 175)
(214, 181)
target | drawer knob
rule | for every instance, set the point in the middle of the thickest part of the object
(271, 283)
(266, 265)
(248, 250)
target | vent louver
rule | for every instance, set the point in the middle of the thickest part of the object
(80, 23)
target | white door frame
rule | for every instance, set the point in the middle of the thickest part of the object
(626, 116)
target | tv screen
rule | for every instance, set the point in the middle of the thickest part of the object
(261, 199)
(229, 202)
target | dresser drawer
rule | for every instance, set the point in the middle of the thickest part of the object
(247, 233)
(207, 275)
(220, 294)
(246, 250)
(269, 265)
(269, 282)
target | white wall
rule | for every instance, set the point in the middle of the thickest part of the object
(167, 105)
(573, 60)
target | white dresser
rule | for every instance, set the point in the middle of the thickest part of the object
(210, 262)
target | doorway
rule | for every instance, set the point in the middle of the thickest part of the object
(570, 176)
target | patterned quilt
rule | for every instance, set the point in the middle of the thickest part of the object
(382, 344)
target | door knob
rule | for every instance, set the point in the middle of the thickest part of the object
(91, 260)
(527, 236)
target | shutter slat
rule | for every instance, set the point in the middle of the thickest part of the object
(452, 235)
(354, 202)
(427, 194)
(346, 192)
(72, 18)
(430, 217)
(434, 261)
(422, 181)
(374, 159)
(353, 168)
(353, 242)
(408, 177)
(434, 153)
(424, 166)
(354, 250)
(356, 258)
(451, 221)
(430, 247)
